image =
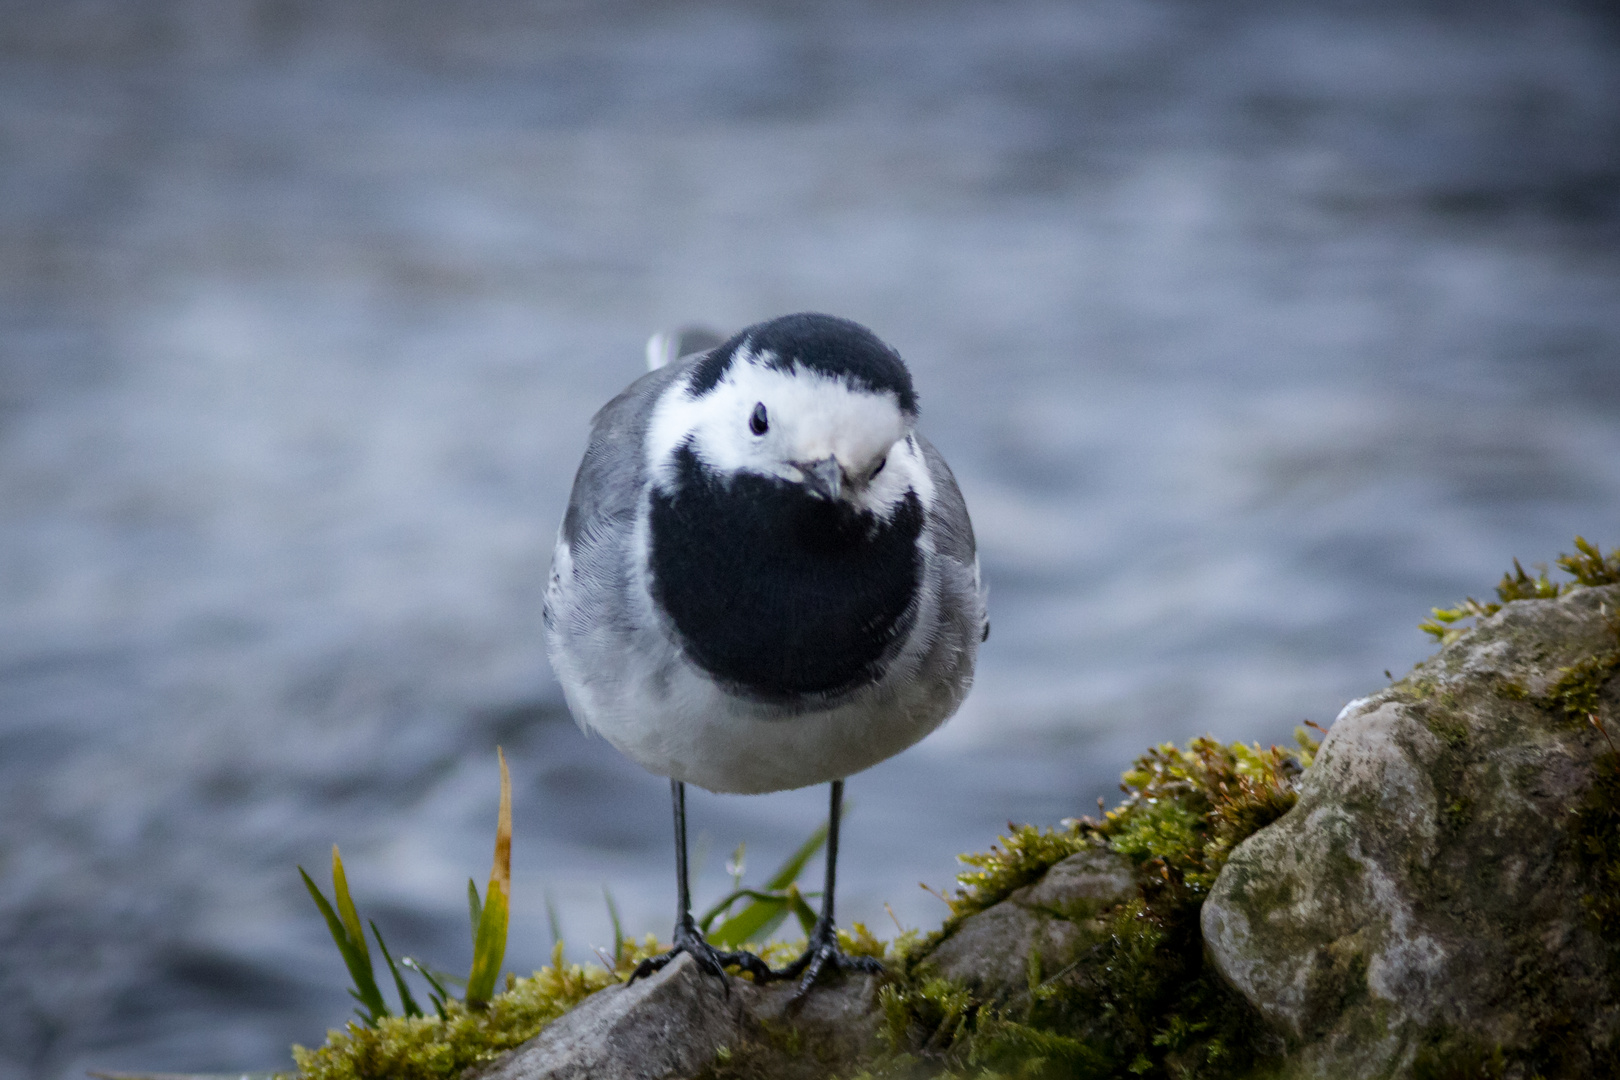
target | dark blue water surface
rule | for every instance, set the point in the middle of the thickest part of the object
(1252, 330)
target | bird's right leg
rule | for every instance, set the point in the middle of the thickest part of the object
(688, 938)
(822, 952)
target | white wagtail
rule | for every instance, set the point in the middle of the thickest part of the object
(766, 579)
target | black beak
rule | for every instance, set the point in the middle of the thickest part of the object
(824, 477)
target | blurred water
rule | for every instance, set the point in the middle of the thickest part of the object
(1251, 331)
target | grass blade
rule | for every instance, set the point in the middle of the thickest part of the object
(553, 921)
(789, 872)
(618, 927)
(725, 902)
(756, 920)
(438, 994)
(475, 906)
(356, 958)
(489, 945)
(345, 907)
(770, 904)
(407, 1003)
(439, 979)
(720, 908)
(334, 925)
(801, 910)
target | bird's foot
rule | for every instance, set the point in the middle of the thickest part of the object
(823, 955)
(689, 940)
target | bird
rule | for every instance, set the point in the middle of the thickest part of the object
(766, 579)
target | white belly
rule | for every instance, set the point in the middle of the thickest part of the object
(699, 734)
(626, 680)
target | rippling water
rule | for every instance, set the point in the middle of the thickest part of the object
(1250, 332)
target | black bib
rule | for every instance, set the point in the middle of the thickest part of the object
(777, 593)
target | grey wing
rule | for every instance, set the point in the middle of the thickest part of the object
(590, 607)
(953, 531)
(590, 571)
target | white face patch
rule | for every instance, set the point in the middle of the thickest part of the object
(809, 417)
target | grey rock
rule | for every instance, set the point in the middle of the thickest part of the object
(669, 1025)
(1421, 902)
(682, 1021)
(1055, 918)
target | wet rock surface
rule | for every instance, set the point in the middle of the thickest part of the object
(1423, 903)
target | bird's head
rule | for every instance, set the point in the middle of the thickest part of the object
(810, 400)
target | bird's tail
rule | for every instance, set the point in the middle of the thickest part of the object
(667, 346)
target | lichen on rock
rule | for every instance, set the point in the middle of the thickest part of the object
(1427, 902)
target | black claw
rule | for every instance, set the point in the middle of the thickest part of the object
(823, 954)
(689, 940)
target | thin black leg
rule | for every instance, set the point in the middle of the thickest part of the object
(835, 811)
(822, 951)
(688, 939)
(683, 888)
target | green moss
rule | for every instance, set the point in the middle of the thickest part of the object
(1446, 1054)
(1576, 692)
(1458, 1057)
(1595, 832)
(1140, 1001)
(1512, 691)
(1188, 808)
(772, 1051)
(1140, 1004)
(1016, 860)
(1589, 566)
(435, 1048)
(1451, 729)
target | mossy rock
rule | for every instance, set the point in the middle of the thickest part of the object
(1433, 894)
(1047, 924)
(1441, 900)
(684, 1023)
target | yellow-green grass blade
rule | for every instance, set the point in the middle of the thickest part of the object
(554, 921)
(723, 906)
(753, 922)
(345, 907)
(789, 872)
(489, 946)
(801, 910)
(358, 963)
(613, 914)
(770, 905)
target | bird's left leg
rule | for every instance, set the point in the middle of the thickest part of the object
(688, 938)
(823, 951)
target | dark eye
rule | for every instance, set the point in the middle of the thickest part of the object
(757, 423)
(879, 469)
